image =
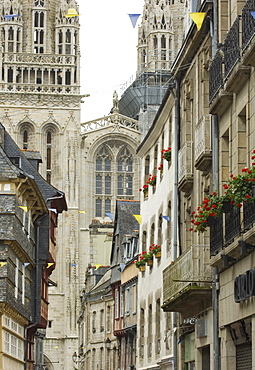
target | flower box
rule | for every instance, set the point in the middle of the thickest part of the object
(142, 268)
(150, 262)
(158, 254)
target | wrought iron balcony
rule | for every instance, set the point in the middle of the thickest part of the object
(228, 228)
(185, 173)
(248, 23)
(215, 75)
(232, 48)
(232, 225)
(248, 215)
(216, 236)
(203, 152)
(187, 279)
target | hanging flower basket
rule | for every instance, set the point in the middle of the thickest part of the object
(150, 262)
(142, 268)
(166, 154)
(158, 254)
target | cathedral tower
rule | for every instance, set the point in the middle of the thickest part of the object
(159, 39)
(40, 108)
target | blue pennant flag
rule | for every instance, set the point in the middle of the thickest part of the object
(134, 18)
(253, 14)
(166, 218)
(9, 16)
(110, 215)
(179, 340)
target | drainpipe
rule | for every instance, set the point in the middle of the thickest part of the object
(37, 286)
(176, 95)
(215, 179)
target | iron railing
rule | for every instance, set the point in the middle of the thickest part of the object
(232, 48)
(216, 236)
(248, 23)
(248, 214)
(232, 224)
(215, 75)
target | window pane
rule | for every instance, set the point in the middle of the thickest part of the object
(98, 184)
(129, 165)
(107, 164)
(120, 185)
(108, 205)
(129, 185)
(107, 184)
(98, 208)
(120, 165)
(99, 164)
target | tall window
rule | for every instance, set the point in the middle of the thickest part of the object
(48, 156)
(25, 139)
(114, 176)
(39, 27)
(125, 175)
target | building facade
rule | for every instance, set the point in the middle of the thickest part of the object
(27, 255)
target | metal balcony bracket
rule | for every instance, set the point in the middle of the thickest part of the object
(227, 260)
(245, 248)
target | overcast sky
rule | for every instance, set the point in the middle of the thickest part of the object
(108, 51)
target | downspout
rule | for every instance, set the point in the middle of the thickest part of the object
(215, 181)
(176, 96)
(36, 285)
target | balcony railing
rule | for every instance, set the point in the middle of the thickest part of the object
(185, 277)
(215, 75)
(231, 225)
(232, 48)
(21, 59)
(202, 145)
(185, 173)
(238, 38)
(248, 23)
(216, 236)
(39, 88)
(248, 215)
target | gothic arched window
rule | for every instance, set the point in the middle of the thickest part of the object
(125, 168)
(103, 181)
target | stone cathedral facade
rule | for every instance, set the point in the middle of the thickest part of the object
(94, 164)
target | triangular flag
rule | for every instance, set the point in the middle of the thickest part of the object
(110, 215)
(53, 210)
(97, 266)
(198, 18)
(82, 212)
(26, 264)
(50, 264)
(138, 218)
(134, 18)
(24, 208)
(72, 13)
(2, 264)
(9, 16)
(166, 218)
(253, 14)
(73, 264)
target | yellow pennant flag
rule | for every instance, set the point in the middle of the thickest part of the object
(72, 13)
(24, 208)
(97, 266)
(198, 18)
(138, 218)
(49, 265)
(2, 264)
(82, 212)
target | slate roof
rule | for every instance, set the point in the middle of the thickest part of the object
(125, 222)
(47, 190)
